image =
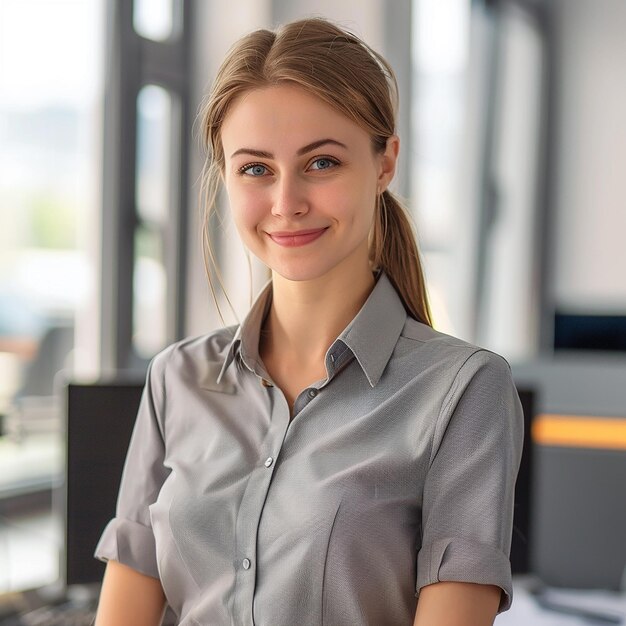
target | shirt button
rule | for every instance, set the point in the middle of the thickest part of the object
(268, 461)
(246, 564)
(332, 358)
(266, 383)
(312, 393)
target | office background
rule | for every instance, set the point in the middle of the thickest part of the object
(513, 130)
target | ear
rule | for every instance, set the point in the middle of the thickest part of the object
(388, 160)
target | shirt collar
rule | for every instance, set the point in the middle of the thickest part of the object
(371, 336)
(246, 339)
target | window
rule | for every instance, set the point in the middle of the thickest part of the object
(153, 191)
(440, 62)
(154, 19)
(50, 131)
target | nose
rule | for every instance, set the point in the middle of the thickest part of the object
(290, 198)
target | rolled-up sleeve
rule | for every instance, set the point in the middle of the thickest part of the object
(128, 537)
(467, 508)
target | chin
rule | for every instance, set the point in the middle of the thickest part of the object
(298, 275)
(299, 270)
(316, 266)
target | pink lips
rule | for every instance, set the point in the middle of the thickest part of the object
(292, 239)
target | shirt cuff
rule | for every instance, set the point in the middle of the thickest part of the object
(460, 560)
(129, 543)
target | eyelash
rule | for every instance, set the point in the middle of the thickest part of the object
(242, 170)
(332, 160)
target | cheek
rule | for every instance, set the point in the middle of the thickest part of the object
(248, 207)
(369, 202)
(350, 200)
(356, 207)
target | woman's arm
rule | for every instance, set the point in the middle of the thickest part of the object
(457, 604)
(129, 598)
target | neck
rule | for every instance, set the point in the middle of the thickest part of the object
(307, 316)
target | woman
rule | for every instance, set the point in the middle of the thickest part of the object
(333, 458)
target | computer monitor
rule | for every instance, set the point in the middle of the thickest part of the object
(100, 419)
(521, 539)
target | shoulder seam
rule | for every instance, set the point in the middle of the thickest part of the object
(450, 395)
(165, 365)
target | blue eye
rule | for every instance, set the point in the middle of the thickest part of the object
(323, 163)
(256, 170)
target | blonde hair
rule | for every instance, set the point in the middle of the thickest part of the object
(338, 67)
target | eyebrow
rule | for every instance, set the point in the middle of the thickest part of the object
(310, 146)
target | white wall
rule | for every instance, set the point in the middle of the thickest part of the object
(590, 247)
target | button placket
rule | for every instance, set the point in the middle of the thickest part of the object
(247, 559)
(252, 503)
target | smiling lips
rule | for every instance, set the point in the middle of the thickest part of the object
(296, 238)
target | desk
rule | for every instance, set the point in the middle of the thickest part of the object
(527, 612)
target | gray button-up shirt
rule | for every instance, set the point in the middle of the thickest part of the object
(396, 471)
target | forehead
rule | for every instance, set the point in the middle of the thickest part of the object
(285, 116)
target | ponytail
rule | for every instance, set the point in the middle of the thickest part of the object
(393, 249)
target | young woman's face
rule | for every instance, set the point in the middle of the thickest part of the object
(302, 181)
